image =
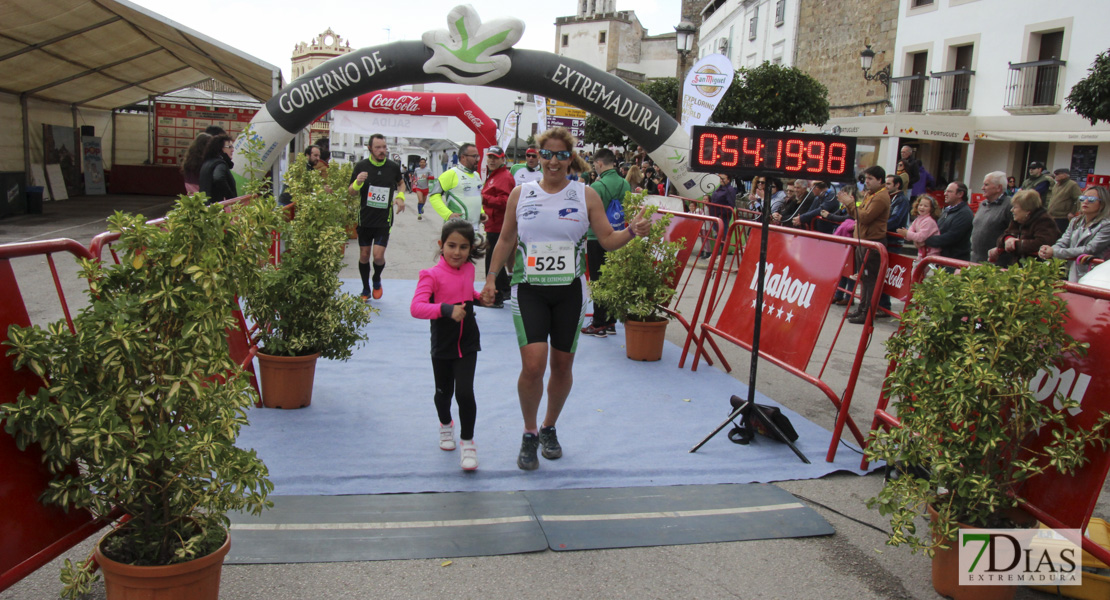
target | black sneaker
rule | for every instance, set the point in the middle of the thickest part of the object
(611, 329)
(527, 458)
(551, 448)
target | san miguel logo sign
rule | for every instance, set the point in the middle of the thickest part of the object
(710, 81)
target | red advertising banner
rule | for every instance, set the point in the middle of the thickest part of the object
(896, 281)
(1072, 498)
(177, 125)
(799, 281)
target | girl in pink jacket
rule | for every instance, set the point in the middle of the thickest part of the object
(445, 294)
(924, 226)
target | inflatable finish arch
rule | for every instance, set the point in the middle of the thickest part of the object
(474, 53)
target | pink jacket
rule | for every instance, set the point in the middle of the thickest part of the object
(922, 228)
(437, 292)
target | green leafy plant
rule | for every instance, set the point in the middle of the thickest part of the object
(967, 350)
(139, 410)
(298, 303)
(1090, 97)
(636, 278)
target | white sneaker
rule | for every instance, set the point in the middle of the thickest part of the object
(447, 436)
(469, 456)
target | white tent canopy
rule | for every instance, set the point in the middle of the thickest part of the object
(110, 53)
(95, 56)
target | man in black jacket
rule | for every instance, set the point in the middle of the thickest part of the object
(824, 199)
(954, 239)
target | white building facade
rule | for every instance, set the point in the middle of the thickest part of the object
(980, 86)
(750, 32)
(615, 42)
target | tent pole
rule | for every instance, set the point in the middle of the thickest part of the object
(112, 162)
(27, 139)
(150, 130)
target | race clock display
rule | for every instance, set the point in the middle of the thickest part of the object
(747, 152)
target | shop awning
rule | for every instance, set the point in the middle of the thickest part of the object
(108, 54)
(1092, 136)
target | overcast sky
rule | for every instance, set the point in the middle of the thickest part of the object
(270, 30)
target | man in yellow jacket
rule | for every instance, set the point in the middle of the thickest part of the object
(457, 194)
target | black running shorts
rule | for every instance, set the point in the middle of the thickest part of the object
(541, 312)
(373, 236)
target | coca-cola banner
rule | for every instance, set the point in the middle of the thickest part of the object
(896, 281)
(799, 282)
(406, 105)
(472, 52)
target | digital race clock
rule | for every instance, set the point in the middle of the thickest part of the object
(747, 152)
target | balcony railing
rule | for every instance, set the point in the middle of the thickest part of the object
(1034, 87)
(951, 91)
(907, 94)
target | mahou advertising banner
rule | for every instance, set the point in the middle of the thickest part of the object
(800, 279)
(703, 88)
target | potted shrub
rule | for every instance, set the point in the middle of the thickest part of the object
(635, 280)
(301, 312)
(967, 349)
(139, 409)
(300, 181)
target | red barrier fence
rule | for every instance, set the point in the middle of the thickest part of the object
(33, 533)
(1060, 501)
(803, 269)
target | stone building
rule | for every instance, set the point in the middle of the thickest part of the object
(308, 56)
(616, 42)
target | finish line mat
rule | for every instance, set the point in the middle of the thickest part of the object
(405, 526)
(372, 426)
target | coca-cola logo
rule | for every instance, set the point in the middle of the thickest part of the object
(895, 276)
(477, 122)
(404, 103)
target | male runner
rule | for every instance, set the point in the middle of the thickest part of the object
(530, 170)
(421, 181)
(457, 194)
(378, 183)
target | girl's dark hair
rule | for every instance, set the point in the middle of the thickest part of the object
(194, 157)
(215, 146)
(465, 229)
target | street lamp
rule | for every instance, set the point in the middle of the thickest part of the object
(883, 75)
(519, 106)
(684, 43)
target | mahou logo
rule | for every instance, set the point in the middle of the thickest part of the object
(781, 287)
(404, 103)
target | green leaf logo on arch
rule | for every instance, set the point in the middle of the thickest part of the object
(465, 52)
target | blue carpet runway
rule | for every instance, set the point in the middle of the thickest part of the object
(372, 427)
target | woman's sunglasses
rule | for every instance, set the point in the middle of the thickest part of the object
(1088, 198)
(561, 154)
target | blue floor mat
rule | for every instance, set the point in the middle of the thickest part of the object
(372, 427)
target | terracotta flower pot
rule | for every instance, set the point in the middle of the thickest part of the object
(286, 380)
(198, 579)
(946, 575)
(643, 340)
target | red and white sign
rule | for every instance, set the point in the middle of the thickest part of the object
(420, 104)
(177, 125)
(799, 282)
(896, 282)
(1072, 498)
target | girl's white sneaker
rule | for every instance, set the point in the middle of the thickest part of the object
(469, 458)
(447, 436)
